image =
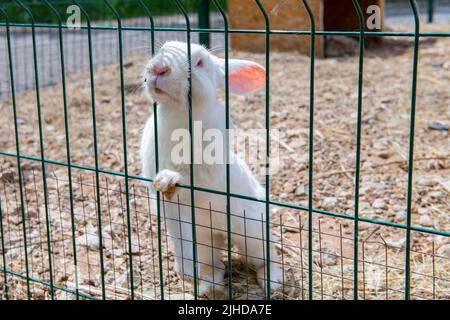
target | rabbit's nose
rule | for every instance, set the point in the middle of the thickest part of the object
(161, 70)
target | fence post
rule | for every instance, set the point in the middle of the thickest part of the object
(430, 4)
(203, 21)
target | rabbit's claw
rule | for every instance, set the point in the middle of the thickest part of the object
(165, 182)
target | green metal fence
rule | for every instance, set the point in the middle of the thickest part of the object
(19, 279)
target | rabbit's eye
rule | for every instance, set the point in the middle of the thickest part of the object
(199, 63)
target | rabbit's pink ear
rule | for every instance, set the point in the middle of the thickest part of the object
(244, 76)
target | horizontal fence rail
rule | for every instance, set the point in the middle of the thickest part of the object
(72, 229)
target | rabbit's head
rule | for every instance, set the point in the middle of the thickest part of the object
(167, 75)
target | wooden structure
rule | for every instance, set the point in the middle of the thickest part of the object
(291, 15)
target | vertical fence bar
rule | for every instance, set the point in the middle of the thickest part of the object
(433, 257)
(358, 147)
(19, 166)
(227, 144)
(311, 144)
(411, 149)
(124, 141)
(41, 144)
(66, 127)
(191, 143)
(407, 227)
(2, 234)
(430, 9)
(203, 21)
(94, 129)
(267, 156)
(158, 194)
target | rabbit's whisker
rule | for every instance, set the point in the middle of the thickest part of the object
(216, 49)
(137, 87)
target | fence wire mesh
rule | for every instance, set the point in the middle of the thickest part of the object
(381, 262)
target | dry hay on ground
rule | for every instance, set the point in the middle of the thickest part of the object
(384, 163)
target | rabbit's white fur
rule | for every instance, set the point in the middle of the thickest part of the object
(248, 228)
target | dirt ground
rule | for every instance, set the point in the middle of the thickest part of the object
(383, 189)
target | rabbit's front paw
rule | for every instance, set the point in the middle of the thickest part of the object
(165, 182)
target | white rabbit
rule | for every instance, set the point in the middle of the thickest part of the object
(166, 79)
